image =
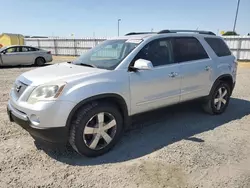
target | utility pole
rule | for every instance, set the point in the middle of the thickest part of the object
(236, 16)
(119, 26)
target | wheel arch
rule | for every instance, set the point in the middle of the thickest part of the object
(40, 57)
(114, 98)
(225, 78)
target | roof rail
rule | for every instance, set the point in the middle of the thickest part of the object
(164, 31)
(138, 33)
(187, 31)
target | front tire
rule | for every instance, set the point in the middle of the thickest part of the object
(218, 100)
(96, 129)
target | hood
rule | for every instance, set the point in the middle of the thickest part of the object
(59, 72)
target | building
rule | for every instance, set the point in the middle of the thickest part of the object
(7, 39)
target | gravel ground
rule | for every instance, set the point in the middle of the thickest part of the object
(175, 147)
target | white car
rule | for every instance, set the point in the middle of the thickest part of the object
(90, 101)
(23, 55)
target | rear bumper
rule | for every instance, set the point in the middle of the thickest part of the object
(58, 135)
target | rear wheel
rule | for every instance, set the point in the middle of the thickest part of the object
(39, 61)
(96, 129)
(218, 100)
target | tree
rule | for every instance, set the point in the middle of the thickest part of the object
(230, 33)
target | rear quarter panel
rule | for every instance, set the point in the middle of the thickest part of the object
(45, 55)
(225, 65)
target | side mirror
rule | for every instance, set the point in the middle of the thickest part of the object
(142, 64)
(3, 52)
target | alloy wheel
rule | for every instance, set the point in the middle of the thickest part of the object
(99, 131)
(221, 98)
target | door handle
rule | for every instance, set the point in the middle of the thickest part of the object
(173, 74)
(207, 68)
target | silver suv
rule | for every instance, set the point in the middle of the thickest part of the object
(89, 102)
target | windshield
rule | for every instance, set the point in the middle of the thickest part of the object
(108, 54)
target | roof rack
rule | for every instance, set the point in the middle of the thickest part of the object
(187, 31)
(173, 31)
(138, 33)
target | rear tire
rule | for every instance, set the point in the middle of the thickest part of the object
(96, 128)
(39, 61)
(218, 100)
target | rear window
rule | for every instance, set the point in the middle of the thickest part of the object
(188, 49)
(32, 49)
(218, 46)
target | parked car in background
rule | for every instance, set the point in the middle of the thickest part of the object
(23, 55)
(90, 101)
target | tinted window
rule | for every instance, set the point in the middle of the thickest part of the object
(24, 49)
(30, 49)
(159, 52)
(218, 46)
(188, 49)
(12, 50)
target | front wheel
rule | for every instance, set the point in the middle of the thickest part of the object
(218, 100)
(96, 129)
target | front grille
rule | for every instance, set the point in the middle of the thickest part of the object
(19, 88)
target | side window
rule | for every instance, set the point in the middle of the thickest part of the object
(12, 50)
(188, 49)
(30, 49)
(159, 52)
(24, 49)
(218, 46)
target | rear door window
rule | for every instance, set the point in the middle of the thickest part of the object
(218, 46)
(24, 49)
(188, 49)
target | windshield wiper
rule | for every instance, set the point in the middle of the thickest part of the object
(87, 65)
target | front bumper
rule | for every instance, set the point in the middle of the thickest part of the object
(57, 135)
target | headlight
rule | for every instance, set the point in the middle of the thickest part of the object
(45, 92)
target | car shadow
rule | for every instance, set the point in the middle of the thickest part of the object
(154, 130)
(24, 66)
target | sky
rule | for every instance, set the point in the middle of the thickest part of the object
(99, 18)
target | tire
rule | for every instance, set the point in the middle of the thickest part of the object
(216, 103)
(87, 127)
(39, 61)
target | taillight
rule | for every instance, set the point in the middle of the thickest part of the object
(49, 52)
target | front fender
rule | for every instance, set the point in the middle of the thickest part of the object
(113, 82)
(85, 90)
